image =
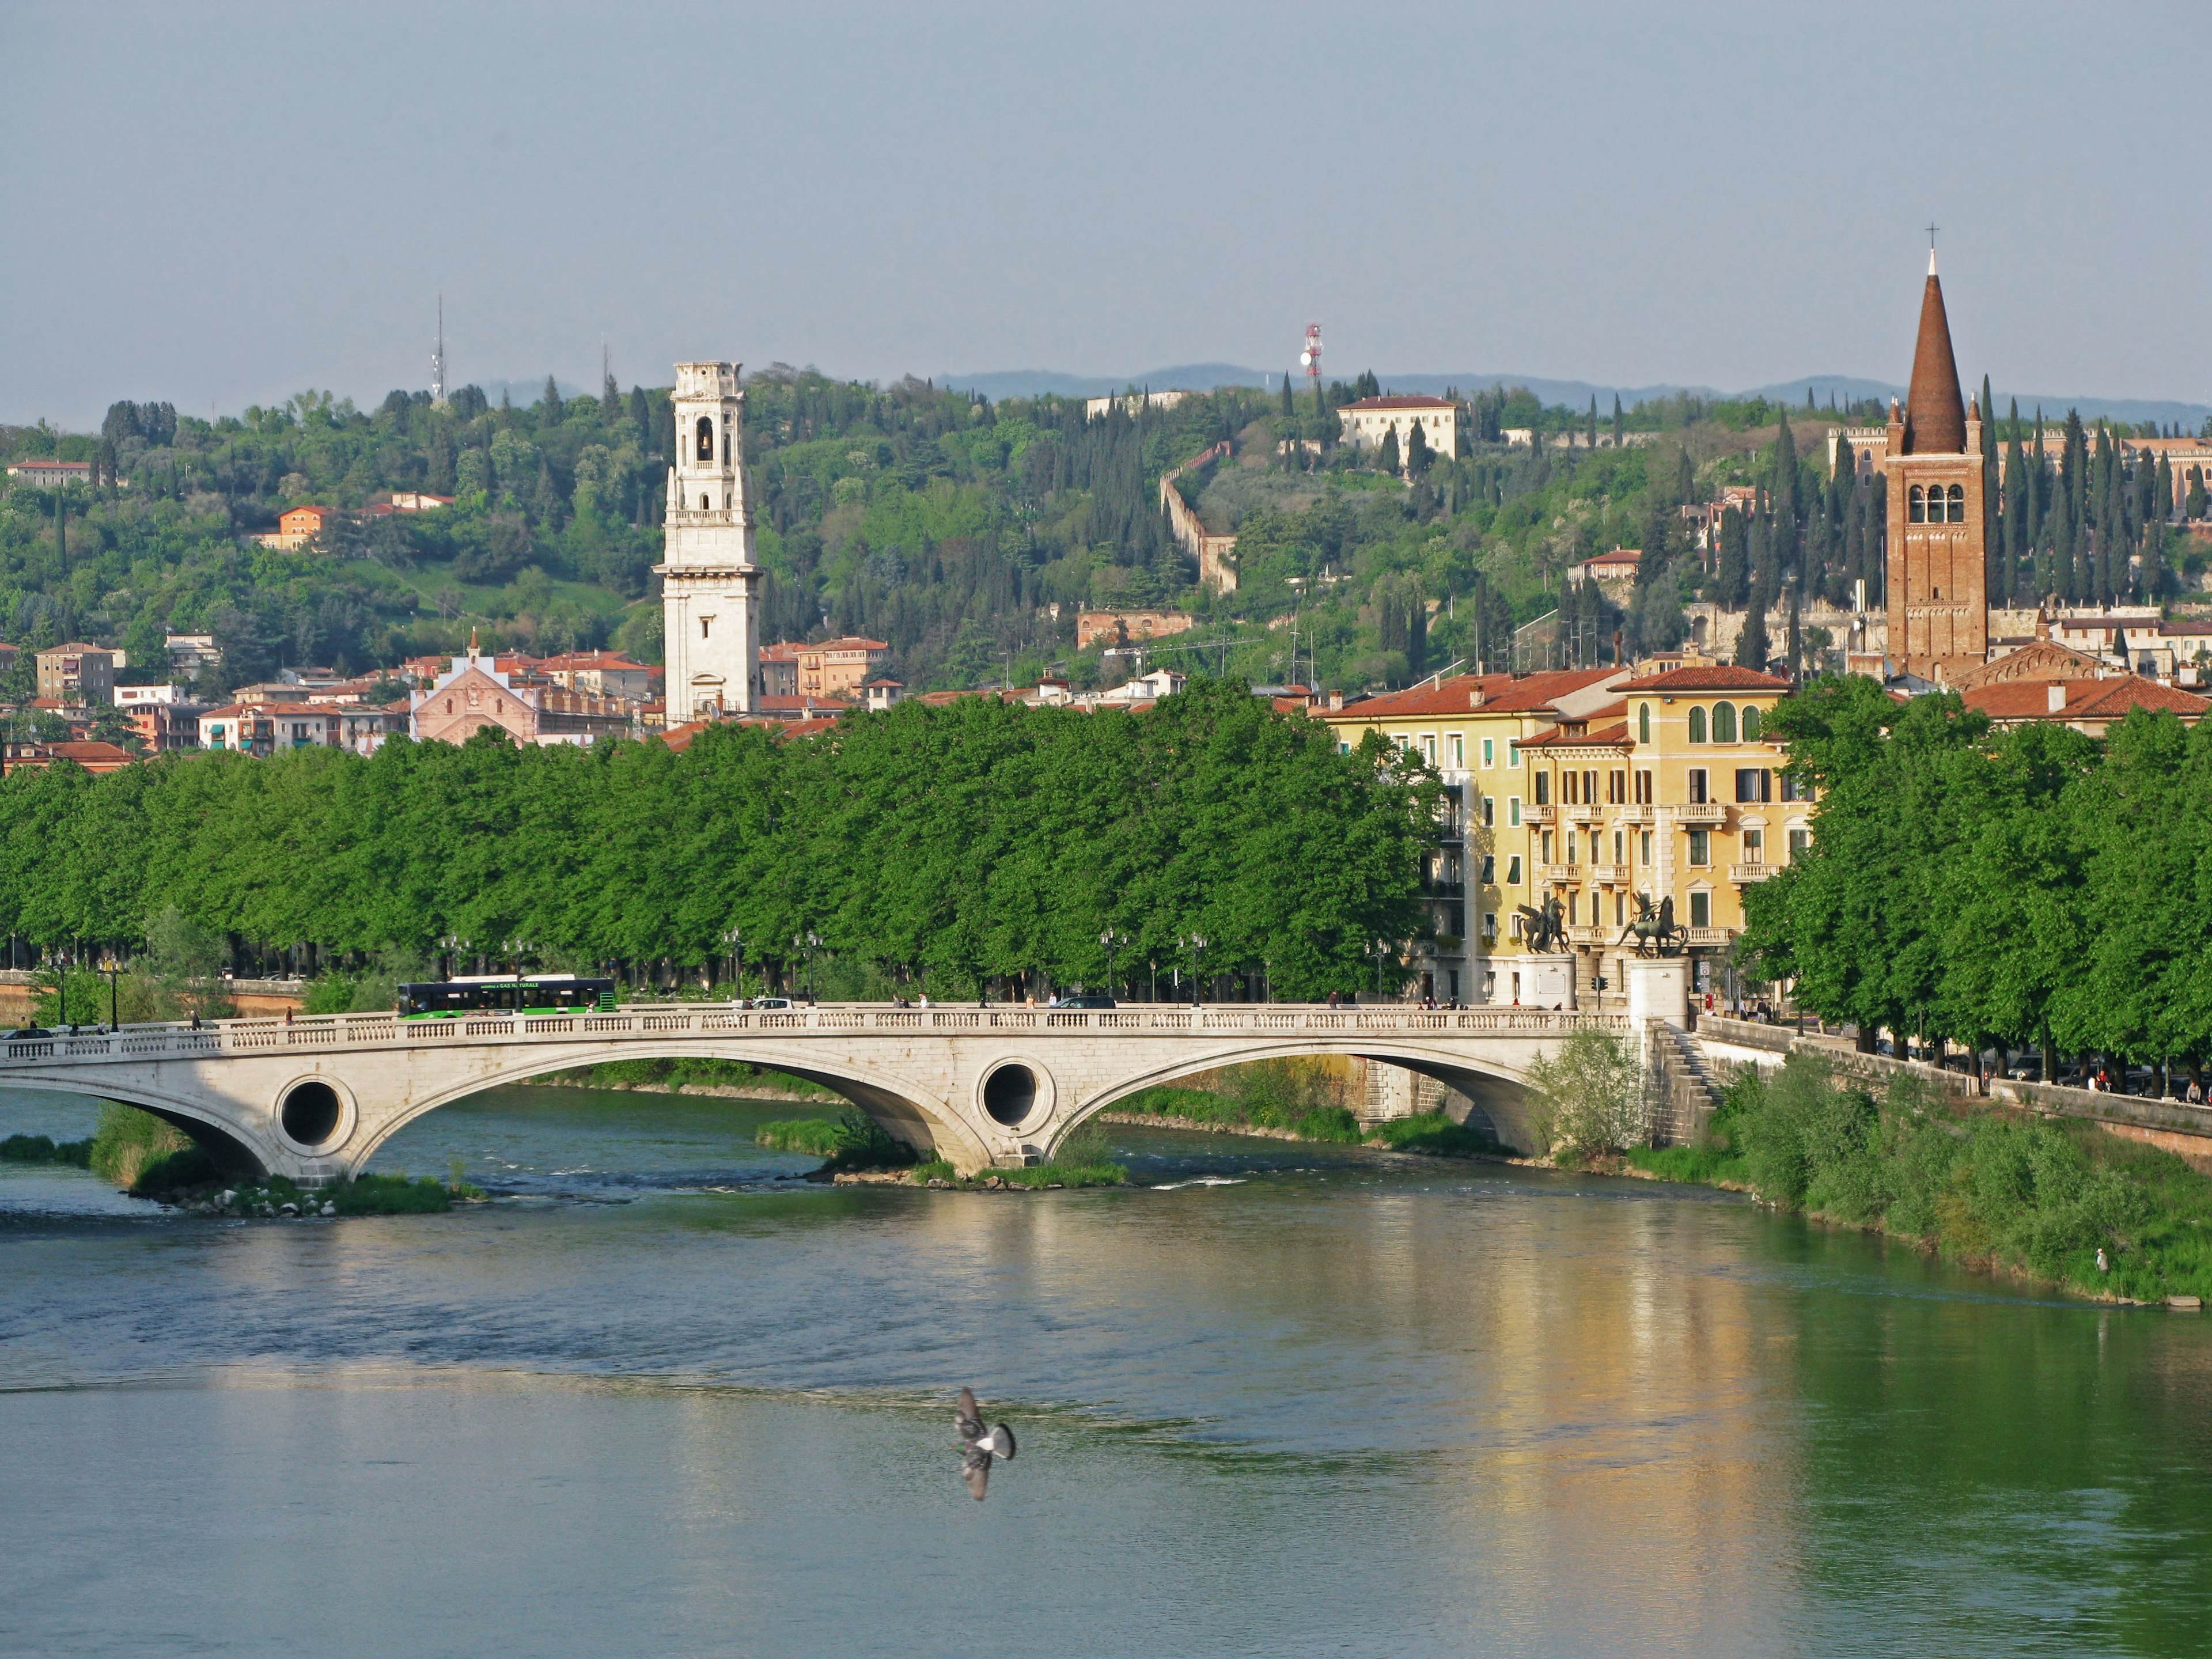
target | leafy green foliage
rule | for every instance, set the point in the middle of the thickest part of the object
(1434, 1134)
(1300, 1095)
(951, 844)
(1586, 1097)
(2033, 886)
(44, 1149)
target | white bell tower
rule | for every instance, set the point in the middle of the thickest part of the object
(709, 585)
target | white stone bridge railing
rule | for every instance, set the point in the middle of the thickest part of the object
(658, 1022)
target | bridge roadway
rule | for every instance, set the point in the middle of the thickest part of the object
(312, 1099)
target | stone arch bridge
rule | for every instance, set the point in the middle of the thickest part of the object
(312, 1099)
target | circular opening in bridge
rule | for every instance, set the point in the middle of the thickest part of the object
(1009, 1093)
(311, 1112)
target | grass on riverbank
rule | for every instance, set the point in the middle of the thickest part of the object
(1293, 1095)
(850, 1140)
(674, 1076)
(1084, 1159)
(1990, 1189)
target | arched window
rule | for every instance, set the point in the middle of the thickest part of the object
(1643, 722)
(449, 705)
(1750, 723)
(705, 438)
(1697, 726)
(1724, 722)
(703, 507)
(1918, 511)
(1958, 503)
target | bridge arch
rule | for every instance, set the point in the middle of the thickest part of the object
(236, 1150)
(1498, 1088)
(908, 1111)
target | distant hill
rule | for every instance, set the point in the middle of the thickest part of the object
(1575, 394)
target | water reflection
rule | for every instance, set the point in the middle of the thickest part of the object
(1348, 1403)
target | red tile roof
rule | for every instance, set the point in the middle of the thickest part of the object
(2086, 699)
(1505, 694)
(1722, 677)
(1410, 402)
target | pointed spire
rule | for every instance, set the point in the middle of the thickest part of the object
(1934, 412)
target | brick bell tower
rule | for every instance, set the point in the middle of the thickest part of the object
(709, 583)
(1939, 613)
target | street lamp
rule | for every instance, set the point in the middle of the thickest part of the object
(737, 963)
(1379, 951)
(114, 1019)
(1195, 944)
(1113, 940)
(806, 945)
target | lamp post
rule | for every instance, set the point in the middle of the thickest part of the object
(1379, 950)
(736, 943)
(807, 943)
(1195, 944)
(115, 1017)
(1113, 940)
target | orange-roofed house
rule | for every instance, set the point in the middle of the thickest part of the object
(834, 667)
(2094, 706)
(297, 526)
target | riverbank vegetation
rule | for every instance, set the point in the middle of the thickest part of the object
(45, 1149)
(1586, 1099)
(2034, 888)
(2035, 1196)
(1303, 1099)
(952, 846)
(1084, 1159)
(676, 1076)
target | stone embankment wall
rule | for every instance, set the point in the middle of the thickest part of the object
(2173, 1125)
(20, 991)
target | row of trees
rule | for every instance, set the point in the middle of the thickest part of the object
(2028, 888)
(950, 845)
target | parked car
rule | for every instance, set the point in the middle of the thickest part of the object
(774, 1002)
(1084, 999)
(28, 1031)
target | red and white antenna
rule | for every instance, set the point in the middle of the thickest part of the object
(1310, 357)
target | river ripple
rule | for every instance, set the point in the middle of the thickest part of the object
(663, 1399)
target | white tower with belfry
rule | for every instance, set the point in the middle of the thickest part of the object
(709, 585)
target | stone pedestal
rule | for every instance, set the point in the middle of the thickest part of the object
(1658, 988)
(1539, 982)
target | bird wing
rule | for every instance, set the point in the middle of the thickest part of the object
(967, 1418)
(975, 1470)
(968, 1403)
(1001, 1441)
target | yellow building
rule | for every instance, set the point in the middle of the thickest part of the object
(1599, 789)
(1473, 729)
(1674, 792)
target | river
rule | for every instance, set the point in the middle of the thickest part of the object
(660, 1398)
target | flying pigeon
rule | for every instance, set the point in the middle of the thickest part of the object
(978, 1446)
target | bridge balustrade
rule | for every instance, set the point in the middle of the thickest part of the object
(327, 1031)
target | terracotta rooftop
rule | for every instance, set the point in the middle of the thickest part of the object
(1411, 401)
(1935, 413)
(1722, 677)
(1499, 694)
(2086, 699)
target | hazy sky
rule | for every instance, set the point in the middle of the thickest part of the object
(219, 204)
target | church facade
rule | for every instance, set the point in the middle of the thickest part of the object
(709, 582)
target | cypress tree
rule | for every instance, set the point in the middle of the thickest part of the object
(1732, 578)
(1593, 420)
(1686, 479)
(1751, 643)
(1387, 457)
(1616, 429)
(2194, 503)
(1797, 652)
(1783, 487)
(1287, 410)
(2015, 523)
(1417, 449)
(610, 404)
(640, 414)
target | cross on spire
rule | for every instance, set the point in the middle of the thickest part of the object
(1931, 247)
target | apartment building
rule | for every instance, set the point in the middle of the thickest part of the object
(1472, 728)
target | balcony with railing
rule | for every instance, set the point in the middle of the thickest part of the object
(1609, 875)
(1592, 934)
(1563, 874)
(1642, 813)
(1585, 815)
(1703, 811)
(1532, 813)
(1743, 874)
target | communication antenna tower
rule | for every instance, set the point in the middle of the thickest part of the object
(1310, 357)
(438, 357)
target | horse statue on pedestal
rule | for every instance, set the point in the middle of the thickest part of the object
(1654, 929)
(1544, 927)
